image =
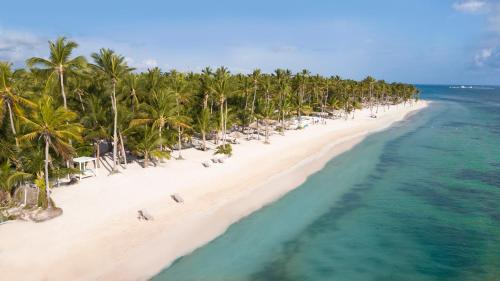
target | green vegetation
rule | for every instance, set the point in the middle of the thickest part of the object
(225, 149)
(64, 106)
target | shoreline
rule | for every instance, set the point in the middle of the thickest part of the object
(99, 237)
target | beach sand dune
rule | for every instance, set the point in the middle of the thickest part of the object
(100, 238)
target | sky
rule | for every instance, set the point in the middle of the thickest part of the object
(413, 41)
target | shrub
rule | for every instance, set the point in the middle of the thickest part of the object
(225, 149)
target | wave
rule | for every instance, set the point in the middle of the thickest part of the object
(472, 87)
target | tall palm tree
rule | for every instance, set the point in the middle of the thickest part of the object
(153, 79)
(221, 89)
(182, 96)
(206, 80)
(52, 126)
(94, 121)
(256, 76)
(301, 80)
(10, 101)
(204, 125)
(129, 89)
(114, 67)
(59, 61)
(283, 89)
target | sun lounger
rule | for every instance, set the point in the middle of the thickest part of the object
(177, 198)
(205, 164)
(144, 215)
(220, 160)
(214, 160)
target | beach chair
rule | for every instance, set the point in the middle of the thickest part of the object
(144, 215)
(177, 198)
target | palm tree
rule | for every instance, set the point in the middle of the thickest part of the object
(9, 177)
(129, 89)
(147, 145)
(114, 67)
(153, 80)
(59, 61)
(283, 89)
(204, 125)
(124, 129)
(221, 89)
(206, 80)
(159, 112)
(256, 75)
(203, 122)
(182, 96)
(301, 80)
(52, 125)
(94, 121)
(9, 100)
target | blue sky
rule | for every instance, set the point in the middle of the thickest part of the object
(415, 41)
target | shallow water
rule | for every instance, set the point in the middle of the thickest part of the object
(420, 201)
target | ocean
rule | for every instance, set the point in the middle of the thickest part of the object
(419, 201)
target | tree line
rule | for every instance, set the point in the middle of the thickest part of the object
(65, 105)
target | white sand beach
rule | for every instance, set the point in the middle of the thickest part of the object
(100, 238)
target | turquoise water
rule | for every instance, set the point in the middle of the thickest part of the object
(420, 201)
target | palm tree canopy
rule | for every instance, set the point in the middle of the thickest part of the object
(111, 64)
(59, 57)
(9, 177)
(52, 125)
(8, 92)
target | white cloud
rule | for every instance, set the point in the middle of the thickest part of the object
(470, 6)
(482, 56)
(149, 63)
(487, 54)
(142, 64)
(16, 46)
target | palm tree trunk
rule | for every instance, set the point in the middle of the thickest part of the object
(253, 100)
(61, 80)
(46, 169)
(122, 145)
(267, 132)
(225, 125)
(25, 187)
(222, 118)
(115, 125)
(159, 133)
(98, 154)
(203, 137)
(180, 143)
(258, 130)
(299, 113)
(205, 101)
(11, 117)
(283, 122)
(81, 101)
(63, 93)
(146, 160)
(12, 127)
(134, 98)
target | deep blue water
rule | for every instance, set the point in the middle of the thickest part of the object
(420, 201)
